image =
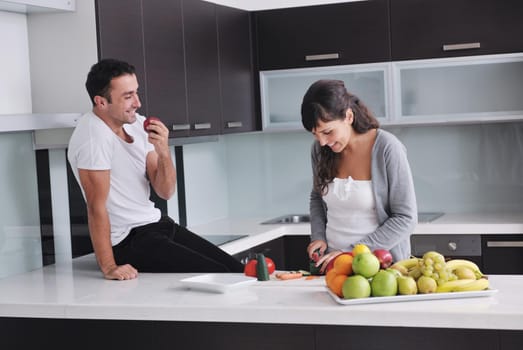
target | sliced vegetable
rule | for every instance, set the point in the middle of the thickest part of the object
(289, 275)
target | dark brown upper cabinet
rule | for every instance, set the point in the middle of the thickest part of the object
(448, 28)
(236, 70)
(324, 35)
(193, 61)
(165, 64)
(120, 36)
(201, 67)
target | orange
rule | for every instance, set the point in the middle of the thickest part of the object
(329, 276)
(336, 285)
(343, 264)
(360, 248)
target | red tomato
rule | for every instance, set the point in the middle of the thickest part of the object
(250, 267)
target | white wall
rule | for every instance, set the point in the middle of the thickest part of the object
(62, 50)
(15, 82)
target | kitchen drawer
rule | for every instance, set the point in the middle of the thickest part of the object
(502, 254)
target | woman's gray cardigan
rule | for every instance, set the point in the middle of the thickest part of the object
(394, 195)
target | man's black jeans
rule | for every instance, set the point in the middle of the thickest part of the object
(165, 246)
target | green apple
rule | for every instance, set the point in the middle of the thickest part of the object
(365, 264)
(384, 284)
(356, 286)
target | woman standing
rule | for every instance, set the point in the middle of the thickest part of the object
(363, 190)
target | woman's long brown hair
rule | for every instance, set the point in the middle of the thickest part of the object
(328, 100)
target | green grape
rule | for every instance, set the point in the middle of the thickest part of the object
(433, 265)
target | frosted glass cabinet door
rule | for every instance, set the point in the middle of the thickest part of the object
(484, 88)
(282, 91)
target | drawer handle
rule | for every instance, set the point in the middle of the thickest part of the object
(505, 244)
(178, 127)
(327, 56)
(234, 124)
(202, 126)
(464, 46)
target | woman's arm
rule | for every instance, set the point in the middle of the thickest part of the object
(395, 196)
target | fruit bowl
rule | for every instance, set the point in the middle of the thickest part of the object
(414, 297)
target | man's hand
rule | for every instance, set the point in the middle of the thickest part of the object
(121, 273)
(160, 167)
(158, 136)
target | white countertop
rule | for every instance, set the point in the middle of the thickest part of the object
(77, 290)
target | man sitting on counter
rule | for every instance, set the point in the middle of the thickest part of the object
(116, 160)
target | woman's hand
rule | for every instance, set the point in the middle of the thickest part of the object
(319, 246)
(326, 259)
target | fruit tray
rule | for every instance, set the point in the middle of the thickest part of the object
(415, 297)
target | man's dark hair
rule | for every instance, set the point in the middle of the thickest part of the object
(99, 77)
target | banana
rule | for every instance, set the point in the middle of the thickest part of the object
(455, 263)
(449, 286)
(408, 263)
(477, 285)
(401, 269)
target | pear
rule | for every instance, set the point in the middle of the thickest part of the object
(407, 285)
(427, 285)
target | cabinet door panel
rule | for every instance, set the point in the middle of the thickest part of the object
(421, 28)
(357, 32)
(201, 59)
(164, 58)
(330, 337)
(120, 36)
(236, 70)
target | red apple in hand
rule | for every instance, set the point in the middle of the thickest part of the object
(147, 121)
(384, 256)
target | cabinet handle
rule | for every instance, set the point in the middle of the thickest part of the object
(464, 46)
(202, 126)
(234, 124)
(327, 56)
(179, 127)
(505, 244)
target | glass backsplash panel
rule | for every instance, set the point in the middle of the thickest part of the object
(20, 239)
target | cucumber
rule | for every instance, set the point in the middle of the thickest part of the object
(262, 272)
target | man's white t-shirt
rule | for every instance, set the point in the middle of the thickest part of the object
(94, 146)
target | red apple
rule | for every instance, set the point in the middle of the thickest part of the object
(384, 256)
(147, 121)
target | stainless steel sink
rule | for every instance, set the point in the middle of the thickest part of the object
(289, 219)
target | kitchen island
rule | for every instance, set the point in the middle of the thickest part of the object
(70, 303)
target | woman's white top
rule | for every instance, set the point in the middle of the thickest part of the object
(351, 212)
